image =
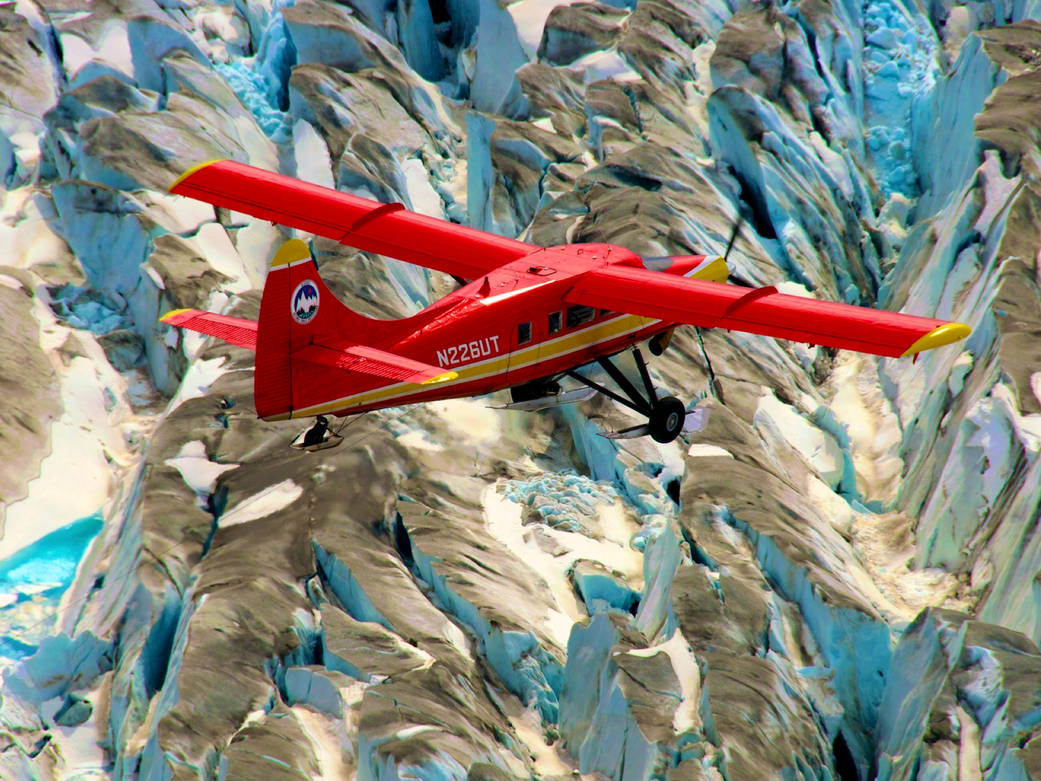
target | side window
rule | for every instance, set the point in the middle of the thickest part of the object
(606, 313)
(576, 315)
(523, 333)
(554, 322)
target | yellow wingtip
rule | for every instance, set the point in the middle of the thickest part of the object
(171, 314)
(193, 170)
(938, 337)
(445, 377)
(715, 270)
(291, 251)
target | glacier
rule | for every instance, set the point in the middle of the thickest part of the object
(835, 579)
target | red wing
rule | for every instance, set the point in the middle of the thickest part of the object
(234, 330)
(761, 311)
(369, 360)
(385, 228)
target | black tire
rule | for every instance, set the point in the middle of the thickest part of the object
(656, 345)
(667, 419)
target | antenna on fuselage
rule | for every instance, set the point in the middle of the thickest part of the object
(733, 238)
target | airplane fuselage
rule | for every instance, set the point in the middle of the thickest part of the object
(507, 328)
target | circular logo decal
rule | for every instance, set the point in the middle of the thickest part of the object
(305, 302)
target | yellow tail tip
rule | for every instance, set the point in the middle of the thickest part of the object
(948, 333)
(172, 314)
(715, 270)
(441, 378)
(292, 251)
(192, 170)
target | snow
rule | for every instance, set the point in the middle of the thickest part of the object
(312, 155)
(504, 522)
(567, 503)
(529, 18)
(214, 244)
(267, 502)
(197, 380)
(25, 228)
(80, 748)
(326, 738)
(198, 471)
(778, 423)
(417, 439)
(548, 760)
(703, 450)
(422, 196)
(84, 443)
(476, 422)
(605, 65)
(83, 62)
(687, 716)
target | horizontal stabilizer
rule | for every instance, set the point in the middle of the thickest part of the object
(234, 330)
(369, 360)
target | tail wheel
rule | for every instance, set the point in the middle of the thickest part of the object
(666, 419)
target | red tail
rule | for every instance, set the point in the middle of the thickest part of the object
(296, 310)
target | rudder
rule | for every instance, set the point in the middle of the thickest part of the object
(296, 309)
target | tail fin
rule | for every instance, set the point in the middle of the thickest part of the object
(296, 310)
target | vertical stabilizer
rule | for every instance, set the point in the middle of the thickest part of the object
(296, 310)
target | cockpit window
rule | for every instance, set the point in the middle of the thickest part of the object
(576, 315)
(554, 322)
(523, 333)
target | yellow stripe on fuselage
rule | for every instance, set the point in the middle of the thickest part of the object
(596, 334)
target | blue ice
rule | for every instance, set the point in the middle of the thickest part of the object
(40, 573)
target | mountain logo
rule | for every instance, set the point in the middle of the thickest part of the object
(305, 302)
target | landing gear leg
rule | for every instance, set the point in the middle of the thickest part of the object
(665, 416)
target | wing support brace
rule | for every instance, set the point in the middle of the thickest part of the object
(375, 214)
(752, 295)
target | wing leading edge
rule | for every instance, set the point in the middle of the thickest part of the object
(384, 228)
(762, 311)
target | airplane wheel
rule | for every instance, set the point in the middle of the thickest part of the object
(660, 342)
(667, 419)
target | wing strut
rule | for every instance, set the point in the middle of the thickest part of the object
(667, 417)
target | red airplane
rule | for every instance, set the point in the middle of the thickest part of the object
(528, 315)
